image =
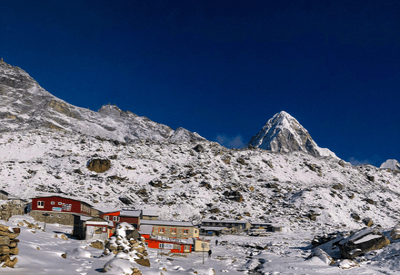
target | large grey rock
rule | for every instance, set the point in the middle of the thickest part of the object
(395, 233)
(362, 241)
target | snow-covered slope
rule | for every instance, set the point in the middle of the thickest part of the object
(187, 184)
(46, 144)
(284, 134)
(25, 105)
(391, 164)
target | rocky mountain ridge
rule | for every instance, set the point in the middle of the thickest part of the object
(50, 147)
(25, 105)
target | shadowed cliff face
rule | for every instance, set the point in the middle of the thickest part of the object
(26, 105)
(284, 134)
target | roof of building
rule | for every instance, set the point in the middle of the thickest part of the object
(261, 223)
(152, 213)
(106, 209)
(172, 223)
(213, 228)
(226, 221)
(96, 220)
(146, 229)
(131, 213)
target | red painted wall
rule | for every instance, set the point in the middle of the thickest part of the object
(155, 244)
(131, 220)
(75, 205)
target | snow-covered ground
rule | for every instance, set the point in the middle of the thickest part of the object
(280, 253)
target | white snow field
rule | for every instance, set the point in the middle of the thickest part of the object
(279, 253)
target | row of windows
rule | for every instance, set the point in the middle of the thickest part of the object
(114, 218)
(64, 206)
(173, 231)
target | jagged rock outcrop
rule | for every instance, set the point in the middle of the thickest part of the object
(284, 134)
(391, 164)
(362, 241)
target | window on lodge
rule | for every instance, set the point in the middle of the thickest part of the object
(40, 204)
(185, 231)
(173, 231)
(161, 230)
(52, 203)
(116, 218)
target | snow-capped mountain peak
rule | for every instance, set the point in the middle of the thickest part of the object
(284, 134)
(391, 164)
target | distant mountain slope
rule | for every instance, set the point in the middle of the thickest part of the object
(26, 105)
(284, 134)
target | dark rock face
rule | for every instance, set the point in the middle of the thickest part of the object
(99, 165)
(362, 241)
(198, 148)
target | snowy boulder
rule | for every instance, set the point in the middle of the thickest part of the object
(347, 264)
(99, 165)
(395, 233)
(120, 266)
(362, 241)
(77, 253)
(129, 249)
(318, 252)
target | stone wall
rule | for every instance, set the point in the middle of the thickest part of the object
(53, 217)
(10, 208)
(8, 246)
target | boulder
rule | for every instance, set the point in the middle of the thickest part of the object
(233, 195)
(99, 165)
(347, 264)
(198, 148)
(143, 262)
(8, 262)
(368, 222)
(395, 233)
(241, 161)
(97, 244)
(318, 252)
(362, 241)
(4, 240)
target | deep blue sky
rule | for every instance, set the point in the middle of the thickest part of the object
(222, 68)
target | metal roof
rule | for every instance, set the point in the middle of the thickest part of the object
(226, 221)
(131, 213)
(172, 223)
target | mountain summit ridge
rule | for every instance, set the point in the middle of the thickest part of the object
(284, 134)
(24, 104)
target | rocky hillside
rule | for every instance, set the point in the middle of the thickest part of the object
(190, 181)
(25, 105)
(115, 158)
